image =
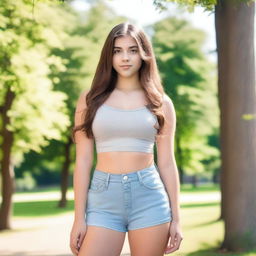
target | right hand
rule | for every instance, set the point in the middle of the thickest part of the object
(77, 235)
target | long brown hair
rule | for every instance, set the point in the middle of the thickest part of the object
(105, 78)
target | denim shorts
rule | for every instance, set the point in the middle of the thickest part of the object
(127, 201)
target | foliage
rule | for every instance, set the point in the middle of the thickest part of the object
(86, 33)
(38, 113)
(208, 5)
(188, 79)
(25, 183)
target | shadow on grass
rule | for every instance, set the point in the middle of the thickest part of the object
(40, 208)
(203, 224)
(208, 223)
(216, 252)
(209, 250)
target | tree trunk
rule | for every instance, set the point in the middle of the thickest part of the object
(6, 164)
(195, 181)
(65, 174)
(237, 97)
(215, 176)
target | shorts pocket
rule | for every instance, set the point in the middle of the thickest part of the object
(151, 180)
(98, 185)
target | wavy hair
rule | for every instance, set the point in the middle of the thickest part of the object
(105, 78)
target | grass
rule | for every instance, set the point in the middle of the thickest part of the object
(42, 189)
(202, 229)
(40, 208)
(188, 188)
(207, 187)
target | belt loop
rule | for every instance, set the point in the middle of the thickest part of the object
(139, 176)
(107, 179)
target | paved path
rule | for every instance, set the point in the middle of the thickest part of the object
(40, 237)
(50, 236)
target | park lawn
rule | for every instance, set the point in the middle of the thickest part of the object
(44, 208)
(202, 188)
(43, 189)
(202, 231)
(41, 208)
(201, 228)
(185, 188)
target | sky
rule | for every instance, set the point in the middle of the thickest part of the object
(143, 13)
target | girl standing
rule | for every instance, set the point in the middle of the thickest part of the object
(124, 113)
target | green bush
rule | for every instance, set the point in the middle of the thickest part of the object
(26, 183)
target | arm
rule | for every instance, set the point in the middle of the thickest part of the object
(83, 164)
(166, 159)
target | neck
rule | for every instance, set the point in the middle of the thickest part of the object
(128, 83)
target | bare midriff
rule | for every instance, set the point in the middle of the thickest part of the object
(123, 162)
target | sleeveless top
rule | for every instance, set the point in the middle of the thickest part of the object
(118, 129)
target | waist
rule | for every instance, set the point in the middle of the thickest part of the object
(123, 162)
(119, 177)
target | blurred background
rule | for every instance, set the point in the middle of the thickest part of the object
(205, 53)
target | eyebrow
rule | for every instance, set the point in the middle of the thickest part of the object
(133, 46)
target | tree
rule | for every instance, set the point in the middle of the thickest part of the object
(188, 78)
(31, 112)
(234, 24)
(85, 35)
(88, 37)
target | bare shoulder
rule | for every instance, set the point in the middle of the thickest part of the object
(168, 108)
(81, 102)
(81, 108)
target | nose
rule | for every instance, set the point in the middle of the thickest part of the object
(125, 56)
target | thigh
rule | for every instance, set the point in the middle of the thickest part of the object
(150, 241)
(150, 202)
(100, 241)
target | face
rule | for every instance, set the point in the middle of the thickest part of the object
(126, 56)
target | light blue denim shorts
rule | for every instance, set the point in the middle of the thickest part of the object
(127, 201)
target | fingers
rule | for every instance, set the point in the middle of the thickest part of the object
(74, 249)
(73, 245)
(80, 240)
(78, 243)
(174, 243)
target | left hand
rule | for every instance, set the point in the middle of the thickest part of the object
(176, 236)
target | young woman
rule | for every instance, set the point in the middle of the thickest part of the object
(125, 112)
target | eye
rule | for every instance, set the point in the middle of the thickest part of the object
(134, 51)
(116, 51)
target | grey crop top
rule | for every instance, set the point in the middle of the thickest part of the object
(118, 129)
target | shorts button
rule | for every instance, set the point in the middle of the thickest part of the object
(125, 177)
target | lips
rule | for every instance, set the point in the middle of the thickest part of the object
(125, 66)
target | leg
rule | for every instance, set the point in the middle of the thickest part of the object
(100, 241)
(150, 241)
